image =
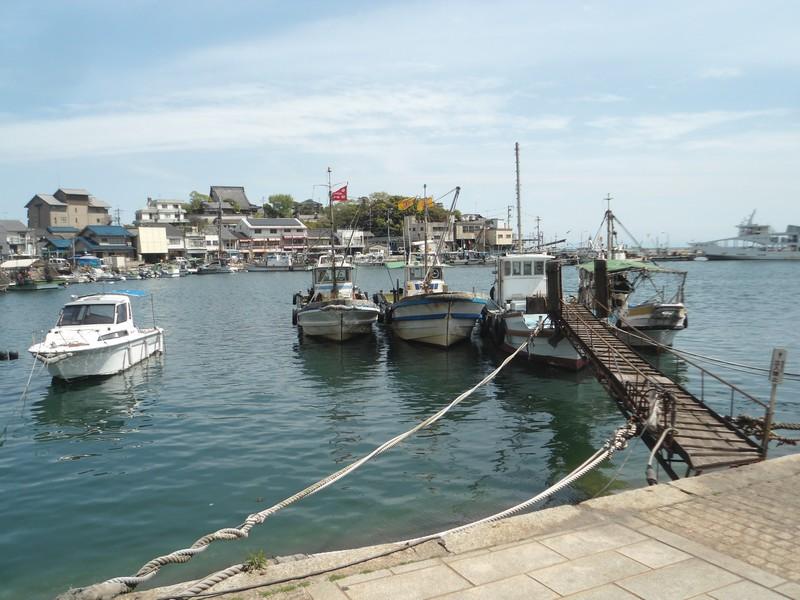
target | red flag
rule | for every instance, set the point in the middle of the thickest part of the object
(339, 195)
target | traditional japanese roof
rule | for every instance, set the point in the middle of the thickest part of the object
(62, 230)
(279, 222)
(59, 244)
(93, 245)
(73, 191)
(47, 199)
(231, 193)
(95, 203)
(108, 230)
(12, 225)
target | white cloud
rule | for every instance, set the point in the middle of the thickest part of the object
(721, 73)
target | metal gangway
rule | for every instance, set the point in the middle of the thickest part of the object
(681, 427)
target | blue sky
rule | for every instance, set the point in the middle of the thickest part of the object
(685, 112)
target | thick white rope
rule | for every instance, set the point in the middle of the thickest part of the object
(119, 585)
(618, 441)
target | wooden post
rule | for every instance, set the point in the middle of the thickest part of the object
(600, 289)
(553, 271)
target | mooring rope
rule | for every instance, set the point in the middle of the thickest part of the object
(118, 585)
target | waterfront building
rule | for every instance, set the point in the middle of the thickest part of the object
(111, 242)
(308, 210)
(258, 236)
(230, 242)
(155, 243)
(417, 230)
(161, 211)
(16, 239)
(66, 207)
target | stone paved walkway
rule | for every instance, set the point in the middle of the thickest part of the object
(727, 536)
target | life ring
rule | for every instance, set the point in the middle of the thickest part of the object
(436, 273)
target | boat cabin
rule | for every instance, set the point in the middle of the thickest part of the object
(333, 278)
(415, 280)
(519, 277)
(96, 309)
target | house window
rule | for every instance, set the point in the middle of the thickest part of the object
(273, 231)
(257, 230)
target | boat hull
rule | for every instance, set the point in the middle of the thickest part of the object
(99, 361)
(337, 320)
(510, 330)
(659, 322)
(441, 319)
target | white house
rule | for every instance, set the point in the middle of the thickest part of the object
(161, 212)
(265, 235)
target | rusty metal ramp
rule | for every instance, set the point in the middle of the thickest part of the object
(697, 435)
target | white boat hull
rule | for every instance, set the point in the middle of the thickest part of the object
(441, 319)
(100, 359)
(510, 330)
(659, 322)
(337, 320)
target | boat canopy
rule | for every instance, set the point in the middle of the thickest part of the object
(618, 266)
(18, 263)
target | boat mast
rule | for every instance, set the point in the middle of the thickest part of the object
(333, 248)
(609, 229)
(519, 204)
(425, 201)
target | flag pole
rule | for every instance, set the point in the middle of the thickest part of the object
(333, 248)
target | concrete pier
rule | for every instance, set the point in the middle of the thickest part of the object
(728, 535)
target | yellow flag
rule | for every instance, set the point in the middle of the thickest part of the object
(405, 203)
(423, 202)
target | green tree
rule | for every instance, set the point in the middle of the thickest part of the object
(196, 200)
(283, 204)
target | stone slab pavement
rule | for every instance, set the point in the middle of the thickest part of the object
(724, 536)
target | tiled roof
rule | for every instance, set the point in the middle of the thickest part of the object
(62, 230)
(12, 225)
(47, 199)
(275, 222)
(234, 193)
(109, 230)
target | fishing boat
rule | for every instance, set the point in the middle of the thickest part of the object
(645, 300)
(754, 242)
(30, 274)
(517, 312)
(334, 307)
(425, 309)
(95, 336)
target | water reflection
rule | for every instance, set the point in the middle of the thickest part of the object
(92, 408)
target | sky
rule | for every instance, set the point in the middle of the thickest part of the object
(686, 113)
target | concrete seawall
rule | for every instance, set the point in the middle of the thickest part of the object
(727, 535)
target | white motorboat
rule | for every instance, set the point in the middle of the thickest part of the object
(517, 311)
(646, 300)
(95, 335)
(334, 307)
(754, 242)
(273, 261)
(428, 312)
(215, 268)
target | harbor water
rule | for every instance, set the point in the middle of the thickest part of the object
(97, 478)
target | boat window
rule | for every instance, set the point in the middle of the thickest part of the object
(539, 267)
(323, 275)
(341, 275)
(526, 267)
(506, 268)
(87, 314)
(516, 270)
(122, 313)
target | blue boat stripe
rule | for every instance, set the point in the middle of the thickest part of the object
(415, 301)
(462, 316)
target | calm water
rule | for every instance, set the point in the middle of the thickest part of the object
(96, 479)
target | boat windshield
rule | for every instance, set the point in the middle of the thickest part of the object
(325, 276)
(87, 314)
